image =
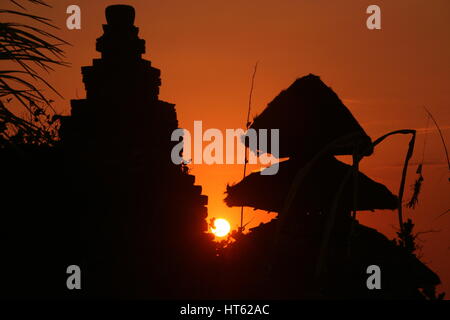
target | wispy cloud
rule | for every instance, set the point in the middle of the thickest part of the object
(432, 129)
(413, 163)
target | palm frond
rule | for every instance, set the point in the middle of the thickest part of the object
(32, 49)
(15, 2)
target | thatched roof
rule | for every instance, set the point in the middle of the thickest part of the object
(316, 193)
(310, 115)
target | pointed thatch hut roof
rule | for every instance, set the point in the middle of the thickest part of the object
(310, 116)
(316, 193)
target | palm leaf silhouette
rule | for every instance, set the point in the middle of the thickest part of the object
(30, 49)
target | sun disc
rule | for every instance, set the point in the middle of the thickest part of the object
(221, 227)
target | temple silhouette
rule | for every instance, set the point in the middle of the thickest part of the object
(109, 199)
(144, 217)
(316, 248)
(120, 208)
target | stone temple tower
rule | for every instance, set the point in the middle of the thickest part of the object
(140, 216)
(122, 90)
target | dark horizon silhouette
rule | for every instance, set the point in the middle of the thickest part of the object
(136, 224)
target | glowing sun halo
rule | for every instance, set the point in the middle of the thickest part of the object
(221, 227)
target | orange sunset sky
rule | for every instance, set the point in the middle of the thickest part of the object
(206, 50)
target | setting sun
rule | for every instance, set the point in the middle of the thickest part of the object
(221, 227)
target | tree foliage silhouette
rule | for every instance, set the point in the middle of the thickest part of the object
(27, 49)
